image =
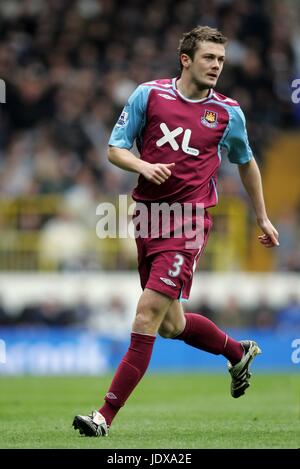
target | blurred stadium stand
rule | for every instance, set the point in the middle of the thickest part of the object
(69, 67)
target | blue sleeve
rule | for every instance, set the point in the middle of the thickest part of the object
(236, 141)
(132, 119)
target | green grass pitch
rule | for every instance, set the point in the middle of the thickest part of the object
(166, 411)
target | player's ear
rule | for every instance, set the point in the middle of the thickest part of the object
(185, 60)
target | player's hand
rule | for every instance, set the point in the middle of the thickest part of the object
(270, 237)
(157, 173)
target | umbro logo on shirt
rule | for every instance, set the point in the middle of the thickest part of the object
(166, 96)
(167, 281)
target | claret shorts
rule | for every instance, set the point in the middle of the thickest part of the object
(167, 265)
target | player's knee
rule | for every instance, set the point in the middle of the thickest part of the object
(148, 309)
(142, 322)
(147, 316)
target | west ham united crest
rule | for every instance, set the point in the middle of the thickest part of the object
(210, 119)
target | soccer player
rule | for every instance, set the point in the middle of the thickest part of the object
(181, 126)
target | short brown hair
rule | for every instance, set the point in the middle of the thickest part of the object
(188, 44)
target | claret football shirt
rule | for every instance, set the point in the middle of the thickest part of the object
(193, 134)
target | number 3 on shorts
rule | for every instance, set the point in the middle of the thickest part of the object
(177, 266)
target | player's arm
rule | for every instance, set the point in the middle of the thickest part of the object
(130, 126)
(251, 179)
(236, 143)
(125, 159)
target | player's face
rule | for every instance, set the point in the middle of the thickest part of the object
(207, 64)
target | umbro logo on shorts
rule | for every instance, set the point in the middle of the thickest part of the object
(167, 281)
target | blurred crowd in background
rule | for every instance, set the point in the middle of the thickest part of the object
(70, 65)
(114, 318)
